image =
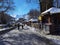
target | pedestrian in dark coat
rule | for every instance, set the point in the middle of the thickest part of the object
(18, 26)
(22, 26)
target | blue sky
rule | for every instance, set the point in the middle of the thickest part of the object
(23, 7)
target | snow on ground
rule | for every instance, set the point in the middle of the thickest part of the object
(16, 38)
(42, 33)
(23, 37)
(54, 38)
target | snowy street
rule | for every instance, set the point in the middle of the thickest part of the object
(29, 22)
(25, 36)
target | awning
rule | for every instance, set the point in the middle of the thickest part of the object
(52, 10)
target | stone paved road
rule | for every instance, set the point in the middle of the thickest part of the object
(23, 37)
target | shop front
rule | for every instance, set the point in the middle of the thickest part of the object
(51, 21)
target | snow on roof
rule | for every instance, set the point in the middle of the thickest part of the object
(33, 20)
(52, 10)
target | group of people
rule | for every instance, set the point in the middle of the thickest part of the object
(20, 25)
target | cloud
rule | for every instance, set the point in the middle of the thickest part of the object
(14, 16)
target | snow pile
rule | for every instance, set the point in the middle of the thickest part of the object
(26, 27)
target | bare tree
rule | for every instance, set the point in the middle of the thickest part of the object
(45, 4)
(5, 6)
(33, 13)
(56, 3)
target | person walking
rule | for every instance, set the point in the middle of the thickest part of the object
(18, 26)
